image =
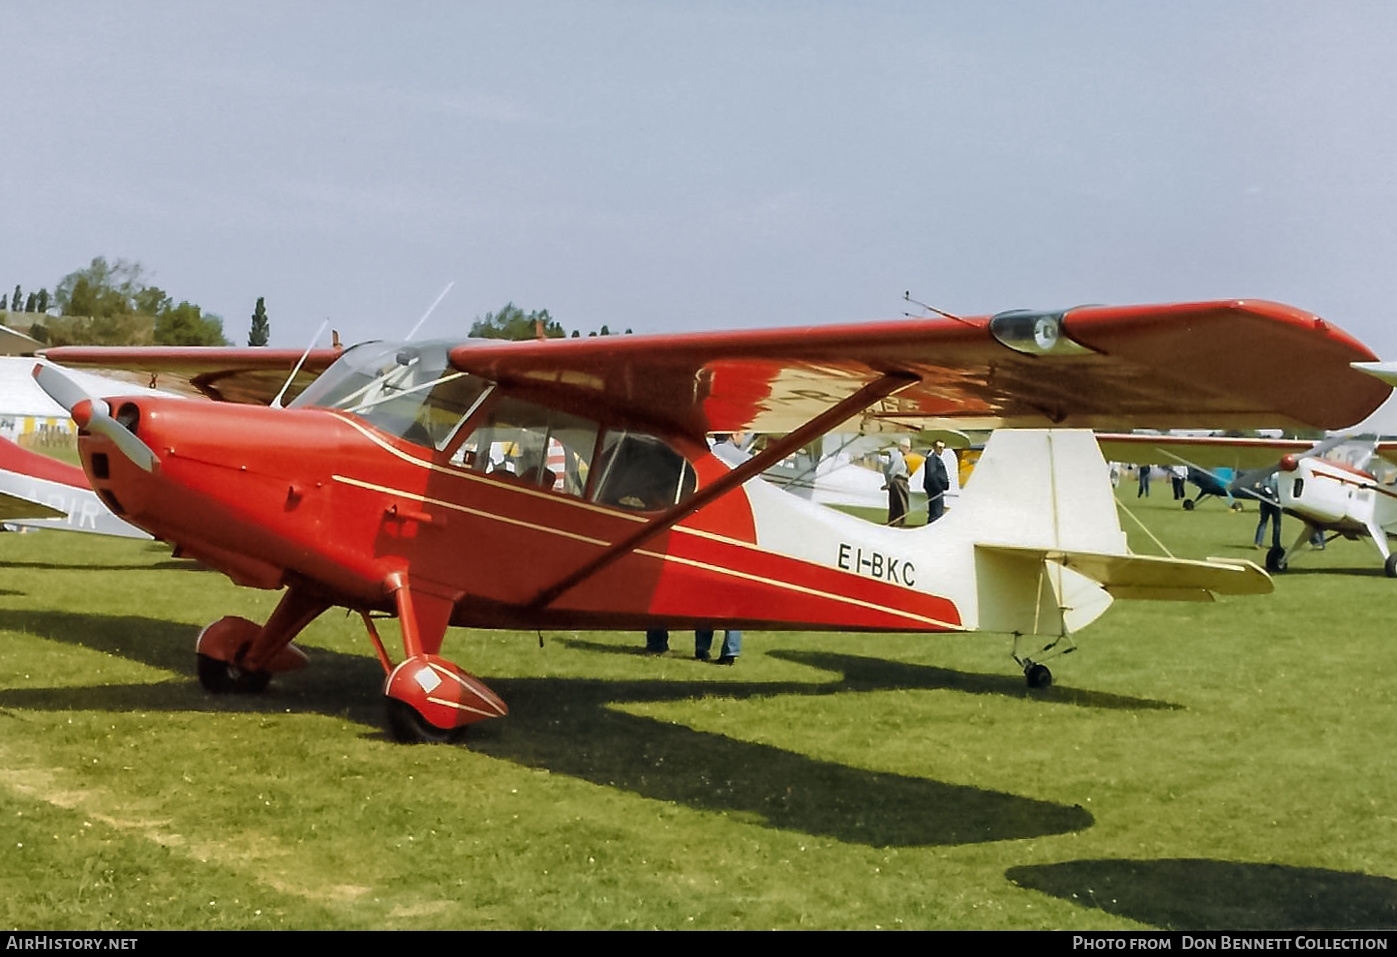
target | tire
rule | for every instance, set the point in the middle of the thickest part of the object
(219, 677)
(409, 727)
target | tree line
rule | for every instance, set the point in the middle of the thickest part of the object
(511, 322)
(112, 304)
(37, 301)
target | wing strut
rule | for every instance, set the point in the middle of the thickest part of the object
(875, 391)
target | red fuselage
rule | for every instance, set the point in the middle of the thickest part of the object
(323, 500)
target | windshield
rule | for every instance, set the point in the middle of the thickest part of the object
(410, 391)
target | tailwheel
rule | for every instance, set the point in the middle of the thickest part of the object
(1390, 566)
(407, 726)
(1035, 673)
(222, 677)
(1276, 563)
(1188, 505)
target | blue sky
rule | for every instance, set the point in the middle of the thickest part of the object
(682, 166)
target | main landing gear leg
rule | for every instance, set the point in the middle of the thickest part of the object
(429, 699)
(1278, 559)
(239, 656)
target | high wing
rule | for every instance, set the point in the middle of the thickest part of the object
(1224, 451)
(13, 342)
(1224, 364)
(1205, 451)
(250, 375)
(1388, 451)
(1387, 372)
(1236, 363)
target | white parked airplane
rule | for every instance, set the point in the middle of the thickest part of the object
(1330, 486)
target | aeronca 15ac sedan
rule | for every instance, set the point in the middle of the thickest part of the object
(568, 483)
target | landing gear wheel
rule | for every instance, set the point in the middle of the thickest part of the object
(409, 727)
(1038, 676)
(1188, 505)
(1276, 563)
(1390, 566)
(220, 677)
(1237, 507)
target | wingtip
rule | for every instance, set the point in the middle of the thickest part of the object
(1386, 371)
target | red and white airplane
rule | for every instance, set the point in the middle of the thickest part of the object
(1327, 485)
(568, 483)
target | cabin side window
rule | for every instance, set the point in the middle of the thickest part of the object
(527, 443)
(640, 472)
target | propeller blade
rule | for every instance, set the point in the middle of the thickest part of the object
(93, 414)
(133, 448)
(58, 386)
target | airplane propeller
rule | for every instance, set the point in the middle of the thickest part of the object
(1253, 481)
(93, 414)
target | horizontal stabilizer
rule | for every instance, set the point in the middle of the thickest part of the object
(16, 507)
(1149, 576)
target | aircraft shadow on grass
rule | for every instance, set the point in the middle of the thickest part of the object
(1360, 571)
(878, 674)
(1210, 895)
(170, 564)
(568, 726)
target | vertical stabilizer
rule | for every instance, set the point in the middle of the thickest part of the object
(1044, 490)
(1050, 554)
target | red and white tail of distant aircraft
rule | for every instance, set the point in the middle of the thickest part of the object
(38, 491)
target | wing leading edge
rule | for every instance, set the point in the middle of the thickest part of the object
(250, 375)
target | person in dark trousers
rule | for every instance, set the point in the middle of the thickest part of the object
(1269, 497)
(727, 653)
(935, 481)
(657, 643)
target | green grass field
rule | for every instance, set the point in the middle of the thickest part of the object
(1195, 767)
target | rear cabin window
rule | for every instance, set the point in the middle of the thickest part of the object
(529, 444)
(641, 473)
